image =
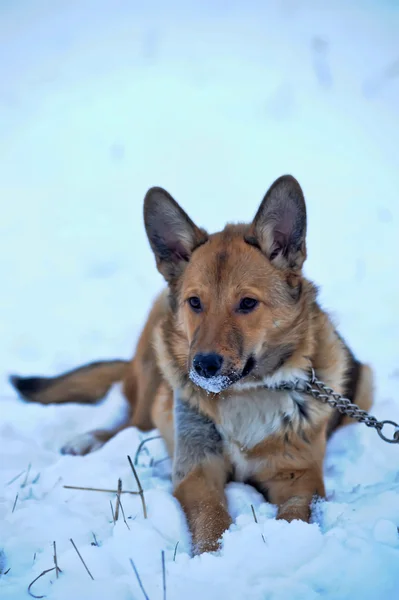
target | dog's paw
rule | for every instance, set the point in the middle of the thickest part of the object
(294, 514)
(82, 444)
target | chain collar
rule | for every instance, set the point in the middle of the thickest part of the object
(320, 391)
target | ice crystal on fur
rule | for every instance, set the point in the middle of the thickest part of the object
(212, 385)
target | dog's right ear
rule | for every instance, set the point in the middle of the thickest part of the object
(172, 234)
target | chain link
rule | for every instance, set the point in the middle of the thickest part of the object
(320, 391)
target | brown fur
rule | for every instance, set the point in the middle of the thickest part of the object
(285, 335)
(202, 497)
(85, 385)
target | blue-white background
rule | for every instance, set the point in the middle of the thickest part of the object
(101, 99)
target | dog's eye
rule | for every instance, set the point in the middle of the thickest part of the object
(247, 305)
(195, 303)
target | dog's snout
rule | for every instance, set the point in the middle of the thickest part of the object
(208, 365)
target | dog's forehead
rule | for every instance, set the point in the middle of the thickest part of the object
(226, 259)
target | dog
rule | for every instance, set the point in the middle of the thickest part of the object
(236, 321)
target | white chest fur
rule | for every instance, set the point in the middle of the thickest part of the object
(247, 419)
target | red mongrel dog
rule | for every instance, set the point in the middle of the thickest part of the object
(238, 318)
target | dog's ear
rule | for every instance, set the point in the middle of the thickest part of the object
(171, 233)
(279, 226)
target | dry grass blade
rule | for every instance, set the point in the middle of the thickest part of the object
(25, 481)
(174, 554)
(142, 444)
(138, 579)
(34, 581)
(163, 575)
(141, 491)
(57, 569)
(118, 499)
(16, 477)
(90, 489)
(95, 543)
(80, 556)
(256, 521)
(123, 513)
(15, 503)
(254, 513)
(112, 510)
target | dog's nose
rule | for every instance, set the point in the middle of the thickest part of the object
(207, 365)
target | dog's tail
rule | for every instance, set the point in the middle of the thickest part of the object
(85, 385)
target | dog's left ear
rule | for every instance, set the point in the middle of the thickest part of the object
(279, 226)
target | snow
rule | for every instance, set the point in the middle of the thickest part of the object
(213, 384)
(99, 100)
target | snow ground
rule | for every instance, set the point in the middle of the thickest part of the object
(100, 100)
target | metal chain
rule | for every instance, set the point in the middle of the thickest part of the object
(320, 391)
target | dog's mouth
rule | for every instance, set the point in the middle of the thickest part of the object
(218, 383)
(249, 367)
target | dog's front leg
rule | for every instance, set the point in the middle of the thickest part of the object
(293, 492)
(200, 472)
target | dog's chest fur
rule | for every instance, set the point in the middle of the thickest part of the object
(246, 420)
